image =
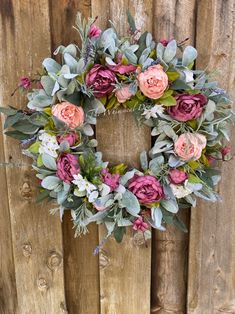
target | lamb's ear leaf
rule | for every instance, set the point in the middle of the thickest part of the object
(119, 233)
(180, 224)
(131, 21)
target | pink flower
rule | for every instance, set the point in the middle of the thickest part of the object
(71, 115)
(226, 150)
(188, 107)
(211, 159)
(146, 188)
(122, 68)
(177, 176)
(25, 82)
(140, 225)
(165, 41)
(101, 80)
(153, 82)
(67, 166)
(94, 31)
(190, 145)
(71, 138)
(112, 180)
(123, 94)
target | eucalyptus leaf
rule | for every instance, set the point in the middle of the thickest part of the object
(189, 55)
(131, 203)
(49, 162)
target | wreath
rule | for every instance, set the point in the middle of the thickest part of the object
(188, 115)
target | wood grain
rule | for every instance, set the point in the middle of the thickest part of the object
(124, 268)
(211, 287)
(36, 236)
(8, 296)
(172, 19)
(81, 270)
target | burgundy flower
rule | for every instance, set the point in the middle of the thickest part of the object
(188, 107)
(112, 180)
(165, 41)
(146, 188)
(25, 82)
(177, 176)
(101, 80)
(67, 166)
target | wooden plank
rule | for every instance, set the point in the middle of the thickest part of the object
(37, 236)
(81, 267)
(8, 296)
(211, 286)
(173, 19)
(125, 268)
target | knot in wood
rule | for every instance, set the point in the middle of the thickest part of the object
(42, 284)
(138, 239)
(27, 249)
(63, 308)
(26, 191)
(104, 260)
(54, 260)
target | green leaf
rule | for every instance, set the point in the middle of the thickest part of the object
(131, 203)
(172, 76)
(34, 148)
(42, 196)
(18, 135)
(26, 127)
(8, 111)
(12, 119)
(170, 205)
(167, 101)
(39, 161)
(180, 224)
(39, 118)
(50, 182)
(189, 55)
(119, 233)
(179, 84)
(131, 21)
(49, 162)
(144, 160)
(170, 51)
(193, 179)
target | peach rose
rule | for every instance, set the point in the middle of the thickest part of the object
(190, 145)
(153, 82)
(71, 115)
(123, 94)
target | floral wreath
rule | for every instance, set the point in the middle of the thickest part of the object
(186, 111)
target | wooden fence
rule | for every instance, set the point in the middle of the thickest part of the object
(43, 269)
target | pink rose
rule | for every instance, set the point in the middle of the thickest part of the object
(177, 176)
(153, 81)
(101, 80)
(94, 31)
(67, 166)
(187, 107)
(146, 188)
(71, 138)
(190, 145)
(123, 94)
(140, 225)
(25, 82)
(71, 115)
(112, 180)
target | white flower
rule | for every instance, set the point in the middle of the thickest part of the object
(85, 186)
(153, 112)
(49, 144)
(180, 191)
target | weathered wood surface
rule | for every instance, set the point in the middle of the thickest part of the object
(211, 288)
(125, 273)
(173, 19)
(36, 236)
(81, 269)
